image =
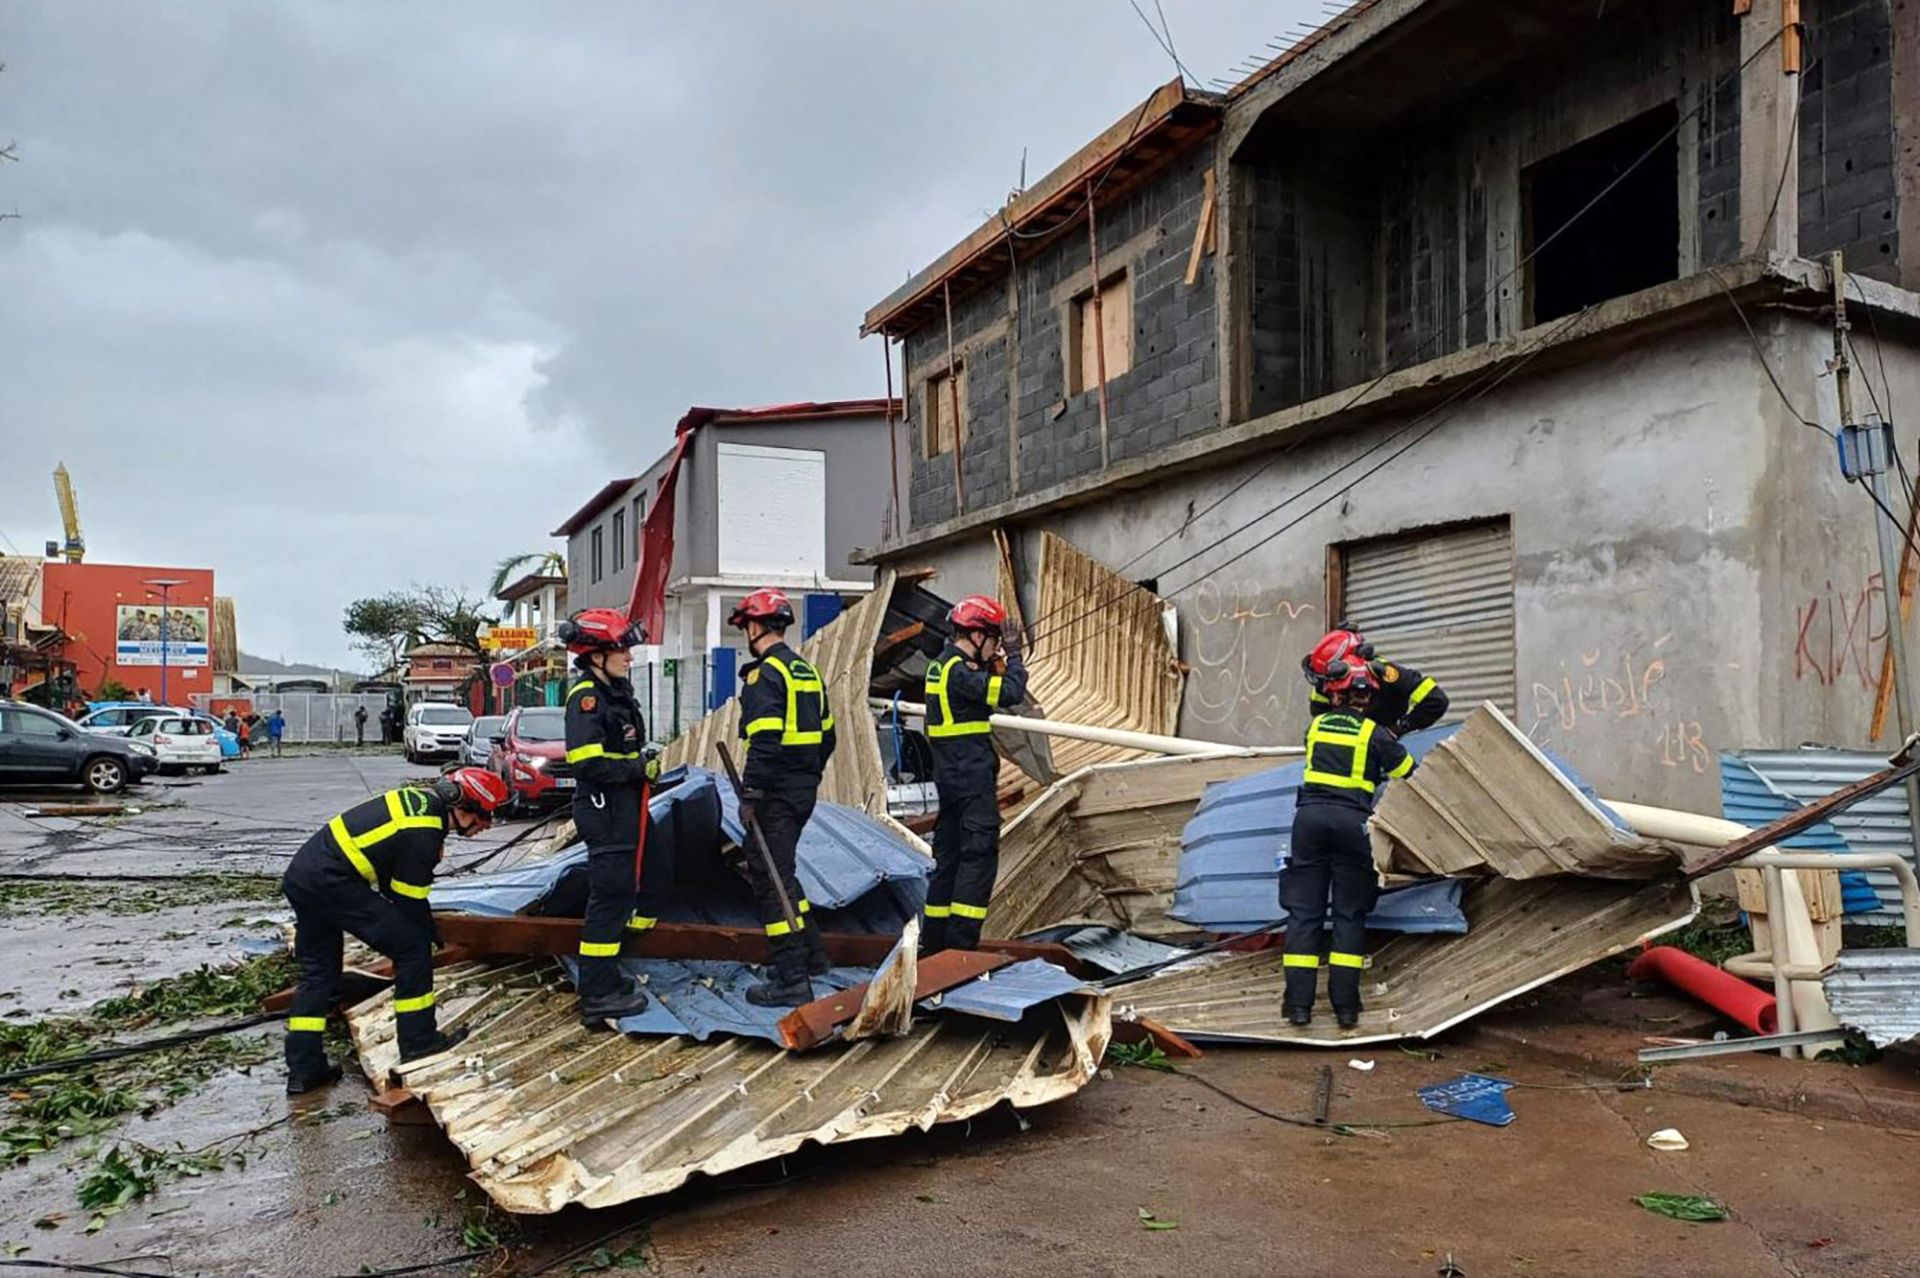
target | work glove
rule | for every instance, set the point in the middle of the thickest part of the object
(749, 806)
(651, 753)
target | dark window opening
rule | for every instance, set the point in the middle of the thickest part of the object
(1629, 240)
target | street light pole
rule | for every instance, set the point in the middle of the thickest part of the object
(165, 586)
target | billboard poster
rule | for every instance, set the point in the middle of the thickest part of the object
(137, 629)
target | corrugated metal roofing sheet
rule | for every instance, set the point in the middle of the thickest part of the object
(700, 998)
(1876, 824)
(1751, 799)
(548, 1113)
(1878, 993)
(1108, 948)
(1008, 993)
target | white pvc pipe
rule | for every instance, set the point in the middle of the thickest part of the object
(1150, 741)
(1673, 826)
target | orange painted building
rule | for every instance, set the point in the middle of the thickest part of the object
(113, 621)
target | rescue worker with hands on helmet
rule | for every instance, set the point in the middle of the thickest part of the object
(788, 727)
(1403, 699)
(1349, 754)
(367, 872)
(606, 748)
(975, 674)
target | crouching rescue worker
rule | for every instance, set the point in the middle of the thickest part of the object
(975, 674)
(366, 872)
(788, 727)
(606, 748)
(1331, 858)
(1404, 699)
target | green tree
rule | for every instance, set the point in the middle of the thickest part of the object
(550, 562)
(384, 626)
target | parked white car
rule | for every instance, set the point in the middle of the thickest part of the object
(179, 741)
(434, 728)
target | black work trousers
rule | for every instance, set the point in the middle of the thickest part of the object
(328, 902)
(966, 860)
(1329, 882)
(782, 815)
(610, 822)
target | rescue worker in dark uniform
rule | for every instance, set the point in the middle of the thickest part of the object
(367, 872)
(975, 674)
(606, 748)
(1348, 756)
(788, 727)
(1404, 700)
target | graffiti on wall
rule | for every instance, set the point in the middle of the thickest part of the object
(1626, 694)
(1245, 662)
(1841, 635)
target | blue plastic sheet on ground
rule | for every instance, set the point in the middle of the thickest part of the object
(1236, 844)
(1480, 1098)
(1007, 994)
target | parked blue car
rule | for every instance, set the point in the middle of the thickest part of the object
(115, 717)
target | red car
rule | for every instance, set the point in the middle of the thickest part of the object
(530, 754)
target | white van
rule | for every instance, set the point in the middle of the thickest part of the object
(434, 728)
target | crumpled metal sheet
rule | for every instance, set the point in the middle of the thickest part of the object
(548, 1114)
(1008, 993)
(1878, 993)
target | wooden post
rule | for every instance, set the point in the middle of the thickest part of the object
(1099, 325)
(953, 395)
(893, 438)
(1790, 36)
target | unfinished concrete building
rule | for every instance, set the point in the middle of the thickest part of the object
(1498, 326)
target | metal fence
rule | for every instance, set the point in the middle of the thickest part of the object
(322, 716)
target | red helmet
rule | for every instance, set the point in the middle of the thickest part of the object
(1350, 680)
(1338, 650)
(769, 607)
(978, 612)
(600, 630)
(474, 788)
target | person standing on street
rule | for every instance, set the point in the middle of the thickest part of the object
(975, 674)
(145, 698)
(245, 733)
(366, 873)
(276, 730)
(360, 725)
(1330, 856)
(788, 726)
(606, 739)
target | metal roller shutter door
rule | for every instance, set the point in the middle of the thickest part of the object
(1443, 603)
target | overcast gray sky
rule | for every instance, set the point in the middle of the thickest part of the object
(335, 296)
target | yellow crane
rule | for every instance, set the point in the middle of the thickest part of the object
(76, 547)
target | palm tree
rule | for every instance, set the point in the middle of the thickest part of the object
(549, 562)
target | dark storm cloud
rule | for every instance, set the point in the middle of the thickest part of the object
(334, 296)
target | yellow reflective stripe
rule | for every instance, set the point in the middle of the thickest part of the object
(937, 696)
(1337, 959)
(581, 686)
(419, 1004)
(806, 906)
(993, 691)
(593, 751)
(1420, 693)
(1301, 960)
(306, 1024)
(1401, 768)
(976, 728)
(413, 890)
(599, 949)
(1355, 778)
(768, 724)
(969, 911)
(778, 929)
(938, 911)
(344, 841)
(640, 923)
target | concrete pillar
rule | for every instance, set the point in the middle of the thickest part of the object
(1906, 138)
(1768, 145)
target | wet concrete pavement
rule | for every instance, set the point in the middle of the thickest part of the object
(339, 1188)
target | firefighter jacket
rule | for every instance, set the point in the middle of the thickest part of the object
(1347, 759)
(1405, 700)
(605, 740)
(961, 695)
(786, 722)
(393, 841)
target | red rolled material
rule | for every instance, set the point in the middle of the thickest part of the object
(1722, 991)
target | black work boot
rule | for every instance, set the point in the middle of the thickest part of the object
(417, 1039)
(933, 936)
(818, 964)
(311, 1078)
(626, 999)
(1299, 1016)
(1348, 1017)
(786, 984)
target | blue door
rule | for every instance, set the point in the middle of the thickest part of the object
(821, 609)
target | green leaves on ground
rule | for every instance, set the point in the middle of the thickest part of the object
(1684, 1207)
(1153, 1223)
(122, 1179)
(1146, 1054)
(602, 1260)
(132, 896)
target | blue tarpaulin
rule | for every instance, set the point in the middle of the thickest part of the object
(1481, 1098)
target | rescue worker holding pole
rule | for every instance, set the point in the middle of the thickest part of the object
(366, 872)
(606, 748)
(1331, 858)
(975, 674)
(1404, 700)
(788, 727)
